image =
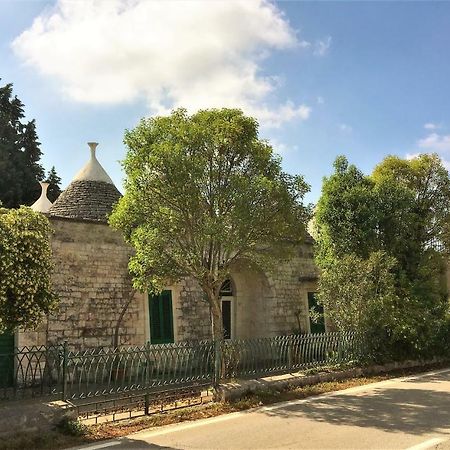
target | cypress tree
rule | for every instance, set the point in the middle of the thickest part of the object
(54, 184)
(20, 154)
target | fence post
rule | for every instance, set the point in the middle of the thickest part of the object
(64, 370)
(147, 364)
(290, 347)
(147, 404)
(218, 363)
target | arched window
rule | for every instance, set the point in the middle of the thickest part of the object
(227, 289)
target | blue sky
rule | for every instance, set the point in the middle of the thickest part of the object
(364, 79)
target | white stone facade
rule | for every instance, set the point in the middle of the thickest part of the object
(92, 281)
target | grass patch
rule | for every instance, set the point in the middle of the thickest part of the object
(73, 434)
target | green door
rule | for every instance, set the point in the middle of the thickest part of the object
(317, 325)
(161, 318)
(6, 360)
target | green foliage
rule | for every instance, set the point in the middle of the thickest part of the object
(20, 169)
(25, 269)
(54, 188)
(375, 239)
(203, 192)
(72, 426)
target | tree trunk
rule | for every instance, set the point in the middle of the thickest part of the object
(217, 333)
(119, 321)
(216, 319)
(128, 295)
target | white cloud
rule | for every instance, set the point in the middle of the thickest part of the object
(431, 126)
(345, 128)
(322, 46)
(195, 54)
(320, 100)
(435, 142)
(412, 155)
(280, 147)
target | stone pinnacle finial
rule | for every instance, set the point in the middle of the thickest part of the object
(93, 147)
(93, 170)
(42, 204)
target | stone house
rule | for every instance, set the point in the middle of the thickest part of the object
(98, 306)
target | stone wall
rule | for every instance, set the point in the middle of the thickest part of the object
(191, 312)
(91, 279)
(290, 284)
(269, 304)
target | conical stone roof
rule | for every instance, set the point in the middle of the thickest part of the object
(90, 196)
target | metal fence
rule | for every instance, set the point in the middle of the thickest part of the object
(151, 367)
(248, 357)
(31, 372)
(58, 372)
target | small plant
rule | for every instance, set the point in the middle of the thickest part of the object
(72, 426)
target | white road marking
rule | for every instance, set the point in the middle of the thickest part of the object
(427, 444)
(96, 446)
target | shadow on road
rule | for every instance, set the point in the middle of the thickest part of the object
(405, 409)
(135, 444)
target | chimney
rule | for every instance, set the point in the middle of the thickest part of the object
(93, 147)
(42, 204)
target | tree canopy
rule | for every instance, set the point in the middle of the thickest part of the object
(20, 168)
(26, 293)
(393, 222)
(203, 192)
(54, 182)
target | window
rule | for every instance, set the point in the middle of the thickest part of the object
(161, 318)
(226, 294)
(226, 289)
(316, 317)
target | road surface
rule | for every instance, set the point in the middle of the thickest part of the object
(405, 413)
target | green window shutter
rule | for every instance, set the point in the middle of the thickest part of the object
(319, 326)
(161, 318)
(6, 360)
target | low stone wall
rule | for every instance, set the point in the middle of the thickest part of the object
(31, 416)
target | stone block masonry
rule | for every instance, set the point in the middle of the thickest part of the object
(92, 281)
(265, 304)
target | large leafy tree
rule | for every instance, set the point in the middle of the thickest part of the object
(203, 192)
(26, 293)
(397, 218)
(20, 168)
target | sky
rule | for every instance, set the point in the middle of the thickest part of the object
(363, 79)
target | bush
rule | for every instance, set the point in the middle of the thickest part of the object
(72, 426)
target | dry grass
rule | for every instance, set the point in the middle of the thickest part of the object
(58, 440)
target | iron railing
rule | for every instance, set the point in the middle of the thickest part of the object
(31, 371)
(249, 357)
(58, 372)
(151, 367)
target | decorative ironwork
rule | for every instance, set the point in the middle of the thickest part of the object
(248, 357)
(103, 371)
(114, 408)
(31, 372)
(55, 371)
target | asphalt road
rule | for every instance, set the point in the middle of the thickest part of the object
(405, 413)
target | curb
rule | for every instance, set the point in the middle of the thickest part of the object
(235, 390)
